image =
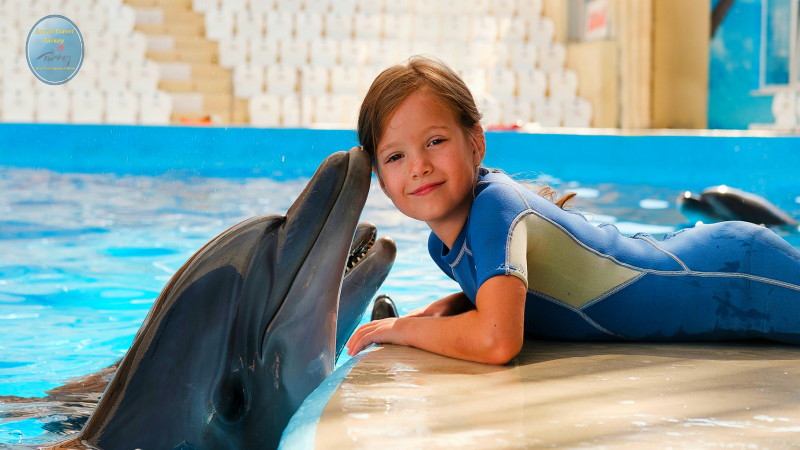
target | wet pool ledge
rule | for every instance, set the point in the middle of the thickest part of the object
(693, 159)
(561, 395)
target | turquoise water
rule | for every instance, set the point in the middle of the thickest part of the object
(83, 256)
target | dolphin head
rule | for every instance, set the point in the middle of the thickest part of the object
(246, 329)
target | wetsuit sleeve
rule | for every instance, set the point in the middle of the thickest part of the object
(498, 235)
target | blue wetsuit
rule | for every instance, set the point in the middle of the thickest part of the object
(730, 280)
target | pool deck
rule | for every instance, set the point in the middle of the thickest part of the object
(569, 395)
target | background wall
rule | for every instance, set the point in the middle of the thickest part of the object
(734, 68)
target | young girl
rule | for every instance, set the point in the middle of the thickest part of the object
(527, 266)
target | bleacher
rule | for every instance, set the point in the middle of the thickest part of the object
(289, 63)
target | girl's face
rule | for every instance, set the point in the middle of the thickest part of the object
(426, 162)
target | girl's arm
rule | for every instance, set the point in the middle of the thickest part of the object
(448, 306)
(490, 333)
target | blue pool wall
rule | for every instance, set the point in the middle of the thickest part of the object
(750, 162)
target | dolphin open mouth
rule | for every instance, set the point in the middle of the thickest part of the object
(363, 240)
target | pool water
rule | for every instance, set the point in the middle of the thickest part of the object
(83, 256)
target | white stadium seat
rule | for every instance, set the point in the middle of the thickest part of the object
(144, 77)
(529, 8)
(265, 110)
(264, 52)
(113, 76)
(502, 83)
(294, 52)
(155, 108)
(279, 25)
(88, 106)
(353, 52)
(16, 73)
(328, 109)
(281, 80)
(563, 85)
(531, 84)
(324, 52)
(397, 7)
(548, 112)
(339, 25)
(343, 6)
(232, 51)
(249, 25)
(317, 6)
(484, 28)
(18, 104)
(291, 111)
(425, 7)
(541, 31)
(503, 7)
(523, 55)
(552, 57)
(314, 80)
(370, 6)
(512, 29)
(516, 110)
(219, 24)
(132, 47)
(426, 27)
(233, 6)
(368, 26)
(345, 80)
(578, 113)
(122, 107)
(262, 6)
(456, 28)
(475, 80)
(397, 26)
(308, 26)
(248, 80)
(454, 7)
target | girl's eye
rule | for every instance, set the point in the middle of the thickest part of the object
(435, 141)
(393, 158)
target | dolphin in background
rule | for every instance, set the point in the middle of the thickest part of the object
(719, 203)
(248, 326)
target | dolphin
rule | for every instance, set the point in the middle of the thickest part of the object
(718, 203)
(247, 327)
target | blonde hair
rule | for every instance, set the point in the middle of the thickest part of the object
(421, 74)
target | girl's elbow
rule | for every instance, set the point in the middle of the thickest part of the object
(502, 349)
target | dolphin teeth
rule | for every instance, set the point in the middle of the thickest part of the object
(358, 254)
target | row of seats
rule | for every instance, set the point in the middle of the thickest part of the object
(472, 27)
(249, 81)
(106, 76)
(786, 109)
(56, 105)
(113, 17)
(525, 8)
(295, 111)
(330, 53)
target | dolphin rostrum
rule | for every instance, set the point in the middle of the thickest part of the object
(247, 327)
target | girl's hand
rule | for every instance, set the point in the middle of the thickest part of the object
(382, 331)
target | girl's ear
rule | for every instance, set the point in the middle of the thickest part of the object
(478, 141)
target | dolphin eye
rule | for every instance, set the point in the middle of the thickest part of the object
(230, 400)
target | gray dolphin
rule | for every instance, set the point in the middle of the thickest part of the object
(722, 202)
(247, 328)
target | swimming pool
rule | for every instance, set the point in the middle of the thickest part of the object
(95, 219)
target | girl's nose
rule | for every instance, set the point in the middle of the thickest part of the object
(420, 166)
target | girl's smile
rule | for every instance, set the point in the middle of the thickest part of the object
(426, 163)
